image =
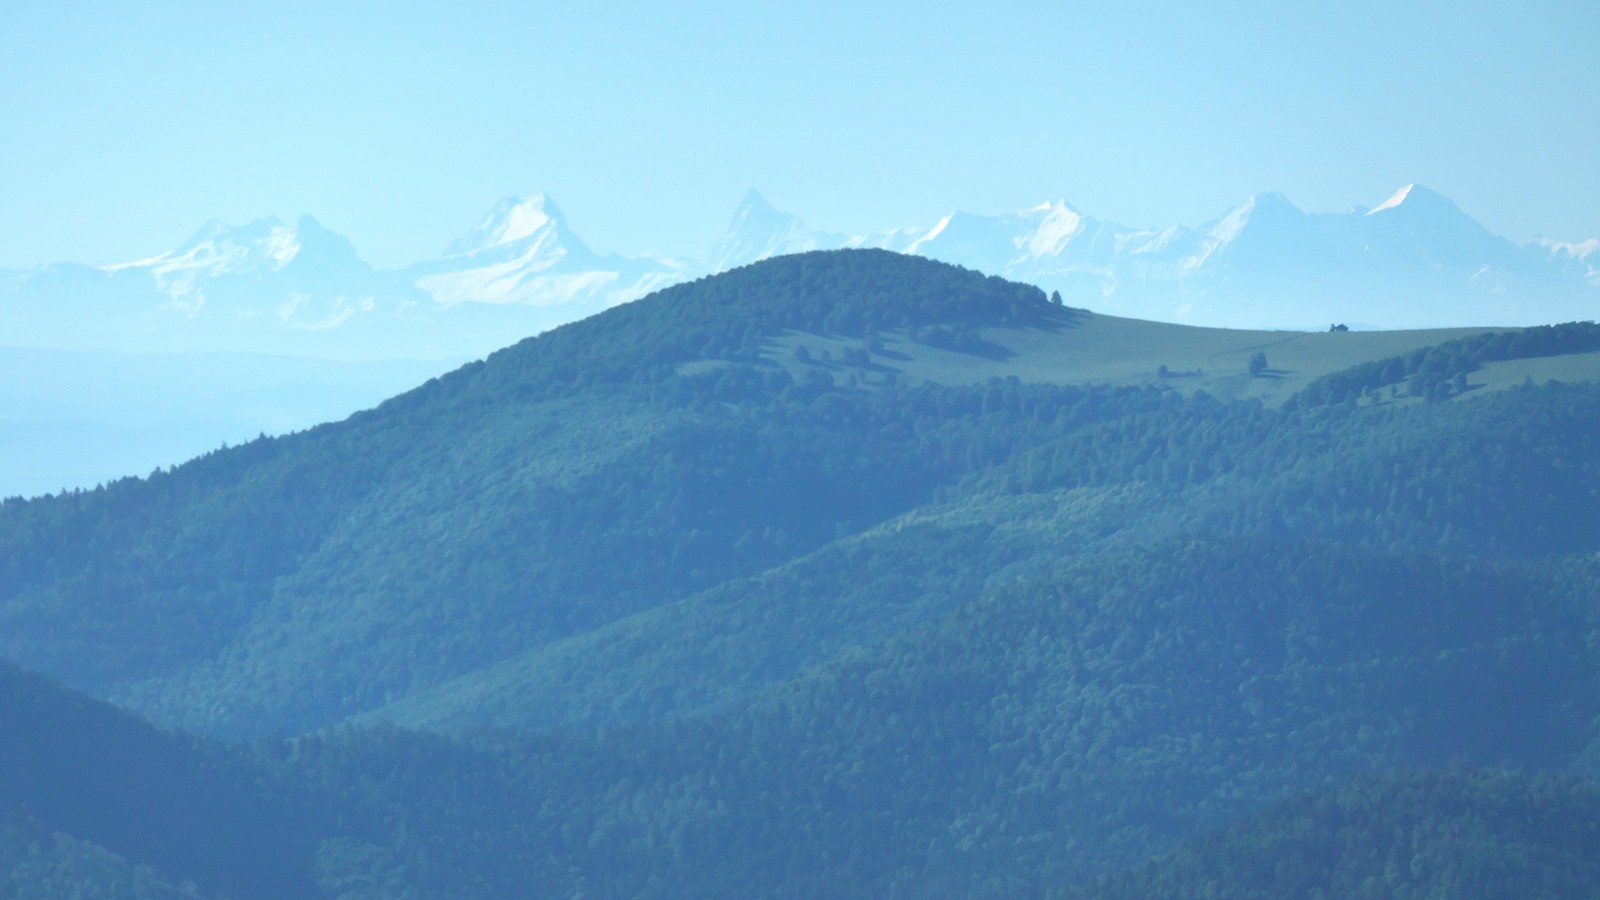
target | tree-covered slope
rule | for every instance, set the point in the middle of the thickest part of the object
(1039, 734)
(1462, 833)
(658, 452)
(1508, 476)
(38, 864)
(691, 613)
(95, 802)
(565, 482)
(1042, 733)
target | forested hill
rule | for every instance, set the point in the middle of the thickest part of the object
(845, 573)
(852, 293)
(1470, 833)
(92, 798)
(499, 518)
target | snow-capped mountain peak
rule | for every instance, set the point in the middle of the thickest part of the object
(755, 216)
(1394, 200)
(1418, 200)
(261, 247)
(226, 287)
(512, 219)
(1430, 225)
(1262, 210)
(1058, 224)
(522, 254)
(753, 204)
(1262, 213)
(759, 230)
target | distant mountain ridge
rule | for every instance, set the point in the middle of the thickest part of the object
(1415, 260)
(264, 287)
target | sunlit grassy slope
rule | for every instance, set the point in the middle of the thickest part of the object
(1088, 348)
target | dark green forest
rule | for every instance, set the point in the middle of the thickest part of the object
(1486, 834)
(644, 607)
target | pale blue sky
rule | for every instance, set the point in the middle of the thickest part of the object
(124, 126)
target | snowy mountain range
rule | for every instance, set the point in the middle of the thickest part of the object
(1414, 260)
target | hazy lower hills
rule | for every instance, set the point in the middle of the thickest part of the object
(75, 419)
(847, 573)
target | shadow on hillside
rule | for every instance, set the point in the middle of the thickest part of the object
(982, 348)
(1060, 318)
(960, 339)
(870, 366)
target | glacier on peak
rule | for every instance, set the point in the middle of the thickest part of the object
(1418, 200)
(1058, 224)
(1258, 215)
(214, 245)
(1258, 209)
(523, 255)
(921, 240)
(511, 220)
(248, 288)
(1394, 200)
(256, 248)
(1231, 225)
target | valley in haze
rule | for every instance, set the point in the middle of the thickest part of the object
(847, 573)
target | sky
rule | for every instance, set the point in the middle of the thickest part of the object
(125, 126)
